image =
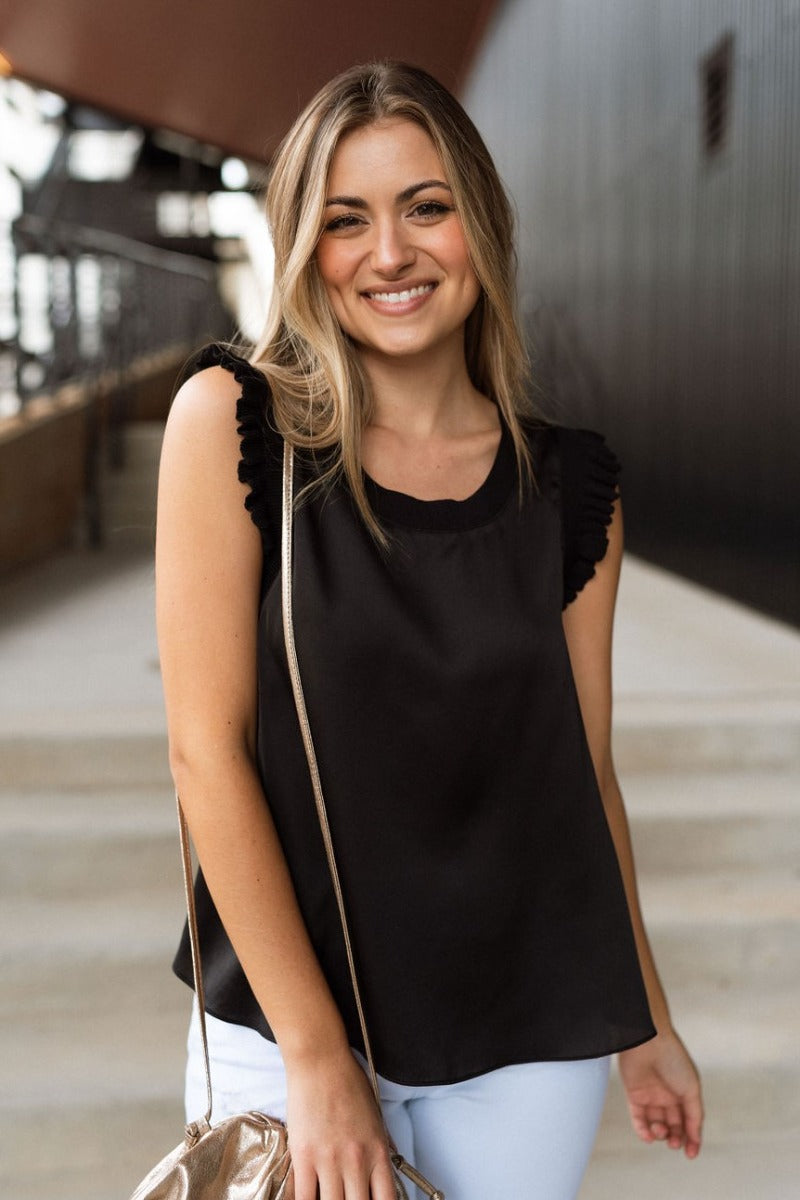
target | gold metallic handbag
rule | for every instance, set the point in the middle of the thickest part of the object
(246, 1157)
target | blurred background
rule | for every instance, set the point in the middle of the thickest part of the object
(651, 149)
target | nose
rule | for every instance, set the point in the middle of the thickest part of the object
(392, 249)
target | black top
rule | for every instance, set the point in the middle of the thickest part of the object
(484, 896)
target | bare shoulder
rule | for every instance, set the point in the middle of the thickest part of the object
(202, 426)
(210, 385)
(205, 401)
(199, 478)
(208, 563)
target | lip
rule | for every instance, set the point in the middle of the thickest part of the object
(406, 297)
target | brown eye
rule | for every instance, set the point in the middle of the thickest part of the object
(431, 208)
(346, 221)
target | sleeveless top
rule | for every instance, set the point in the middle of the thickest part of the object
(483, 892)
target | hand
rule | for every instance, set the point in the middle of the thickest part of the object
(336, 1136)
(664, 1096)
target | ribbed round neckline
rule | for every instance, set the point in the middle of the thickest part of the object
(484, 503)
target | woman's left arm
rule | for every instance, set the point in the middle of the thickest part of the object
(661, 1081)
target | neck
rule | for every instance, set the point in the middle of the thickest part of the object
(425, 395)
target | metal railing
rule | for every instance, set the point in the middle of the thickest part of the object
(87, 301)
(89, 307)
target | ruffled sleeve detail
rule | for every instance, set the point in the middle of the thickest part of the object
(260, 464)
(589, 485)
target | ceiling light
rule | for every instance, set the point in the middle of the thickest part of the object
(234, 174)
(100, 154)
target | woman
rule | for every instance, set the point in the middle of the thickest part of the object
(462, 722)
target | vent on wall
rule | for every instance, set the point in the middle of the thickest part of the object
(716, 79)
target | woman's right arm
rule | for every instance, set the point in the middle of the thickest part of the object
(208, 564)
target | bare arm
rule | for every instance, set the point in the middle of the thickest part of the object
(661, 1081)
(208, 563)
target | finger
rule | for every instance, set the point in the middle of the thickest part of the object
(657, 1122)
(305, 1180)
(675, 1129)
(693, 1122)
(356, 1187)
(382, 1181)
(355, 1174)
(331, 1186)
(641, 1126)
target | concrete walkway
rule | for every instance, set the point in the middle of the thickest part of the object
(708, 749)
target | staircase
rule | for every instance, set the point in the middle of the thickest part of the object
(707, 714)
(92, 1022)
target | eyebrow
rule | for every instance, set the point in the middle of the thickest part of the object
(407, 194)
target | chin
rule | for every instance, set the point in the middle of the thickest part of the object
(398, 353)
(411, 347)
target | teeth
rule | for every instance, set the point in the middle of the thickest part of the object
(401, 297)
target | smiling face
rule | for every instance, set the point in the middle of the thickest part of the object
(392, 253)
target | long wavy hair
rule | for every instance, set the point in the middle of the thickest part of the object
(321, 395)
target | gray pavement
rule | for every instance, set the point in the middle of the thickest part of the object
(79, 654)
(707, 709)
(78, 646)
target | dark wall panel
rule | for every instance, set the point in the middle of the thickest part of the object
(660, 282)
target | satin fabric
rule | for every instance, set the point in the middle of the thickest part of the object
(482, 888)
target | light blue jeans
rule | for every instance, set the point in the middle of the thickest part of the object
(523, 1132)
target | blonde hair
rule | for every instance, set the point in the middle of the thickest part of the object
(321, 395)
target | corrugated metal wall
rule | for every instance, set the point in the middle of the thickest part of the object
(660, 282)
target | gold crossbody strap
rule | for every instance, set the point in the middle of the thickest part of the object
(400, 1164)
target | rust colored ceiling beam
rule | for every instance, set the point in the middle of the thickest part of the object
(232, 74)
